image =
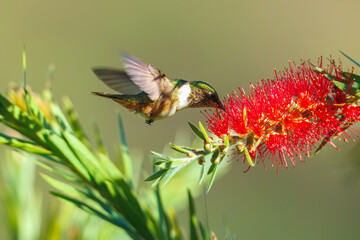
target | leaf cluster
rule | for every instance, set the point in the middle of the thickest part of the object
(167, 167)
(81, 173)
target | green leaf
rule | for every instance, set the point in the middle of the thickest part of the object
(98, 140)
(215, 156)
(60, 118)
(188, 148)
(342, 86)
(327, 75)
(159, 156)
(178, 149)
(23, 145)
(125, 156)
(332, 135)
(226, 141)
(157, 174)
(128, 205)
(132, 233)
(202, 174)
(317, 69)
(85, 156)
(204, 133)
(212, 178)
(24, 67)
(347, 85)
(211, 168)
(67, 155)
(61, 186)
(164, 223)
(17, 119)
(27, 99)
(248, 157)
(160, 161)
(156, 182)
(31, 105)
(110, 167)
(350, 58)
(174, 170)
(197, 131)
(64, 173)
(74, 121)
(203, 231)
(352, 86)
(354, 83)
(192, 218)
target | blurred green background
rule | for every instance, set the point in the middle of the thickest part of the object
(226, 43)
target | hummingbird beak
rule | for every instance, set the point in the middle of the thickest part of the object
(221, 106)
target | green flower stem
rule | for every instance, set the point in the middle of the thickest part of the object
(214, 151)
(167, 166)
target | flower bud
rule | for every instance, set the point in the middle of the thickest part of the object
(207, 147)
(214, 160)
(201, 160)
(223, 148)
(240, 148)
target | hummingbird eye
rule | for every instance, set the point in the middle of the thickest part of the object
(213, 96)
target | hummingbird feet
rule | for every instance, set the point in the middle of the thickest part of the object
(149, 121)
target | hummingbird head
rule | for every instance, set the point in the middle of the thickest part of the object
(204, 95)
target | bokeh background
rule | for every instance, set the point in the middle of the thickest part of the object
(226, 43)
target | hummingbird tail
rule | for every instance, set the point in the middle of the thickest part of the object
(124, 100)
(105, 94)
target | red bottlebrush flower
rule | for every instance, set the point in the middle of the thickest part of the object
(287, 117)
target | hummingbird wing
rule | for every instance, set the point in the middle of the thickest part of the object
(117, 80)
(148, 78)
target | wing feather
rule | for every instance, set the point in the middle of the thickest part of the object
(138, 76)
(117, 80)
(145, 76)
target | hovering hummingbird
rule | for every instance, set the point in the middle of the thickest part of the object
(147, 91)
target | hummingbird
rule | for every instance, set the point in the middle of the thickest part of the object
(147, 91)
